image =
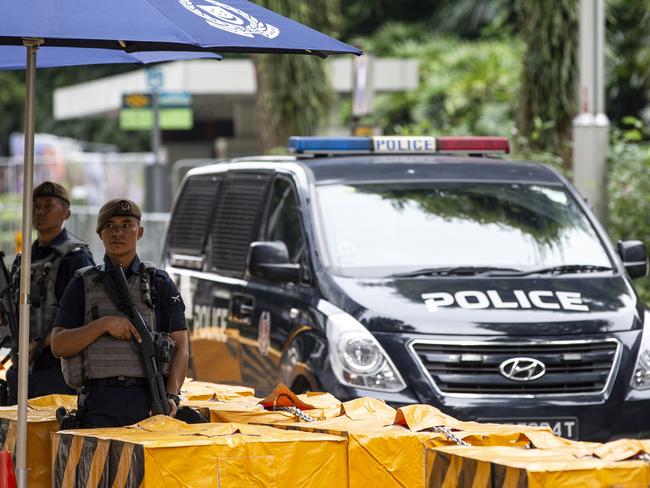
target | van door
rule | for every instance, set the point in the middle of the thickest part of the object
(214, 221)
(206, 302)
(278, 306)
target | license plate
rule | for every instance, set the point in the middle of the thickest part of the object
(563, 426)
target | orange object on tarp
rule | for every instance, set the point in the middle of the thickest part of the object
(506, 467)
(161, 452)
(265, 411)
(41, 423)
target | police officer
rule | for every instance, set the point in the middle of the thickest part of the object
(98, 345)
(56, 255)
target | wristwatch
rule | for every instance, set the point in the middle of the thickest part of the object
(175, 398)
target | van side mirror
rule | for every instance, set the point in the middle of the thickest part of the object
(634, 257)
(270, 260)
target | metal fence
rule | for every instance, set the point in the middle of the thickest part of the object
(91, 179)
(82, 224)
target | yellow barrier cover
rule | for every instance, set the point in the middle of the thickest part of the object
(388, 448)
(202, 390)
(508, 467)
(161, 451)
(41, 423)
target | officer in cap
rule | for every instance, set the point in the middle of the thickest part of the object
(97, 344)
(56, 256)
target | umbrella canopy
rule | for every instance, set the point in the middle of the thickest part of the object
(131, 26)
(160, 25)
(13, 57)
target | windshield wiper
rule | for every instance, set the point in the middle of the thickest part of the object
(453, 271)
(559, 270)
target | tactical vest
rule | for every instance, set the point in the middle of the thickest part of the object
(43, 281)
(109, 357)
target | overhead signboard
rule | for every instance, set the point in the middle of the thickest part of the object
(175, 111)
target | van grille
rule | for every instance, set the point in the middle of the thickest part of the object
(571, 367)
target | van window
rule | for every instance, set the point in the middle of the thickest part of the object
(235, 221)
(378, 230)
(284, 222)
(189, 224)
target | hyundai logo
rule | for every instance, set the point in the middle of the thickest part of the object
(522, 369)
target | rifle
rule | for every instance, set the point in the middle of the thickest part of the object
(117, 287)
(8, 307)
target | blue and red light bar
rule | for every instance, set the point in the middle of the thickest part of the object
(398, 145)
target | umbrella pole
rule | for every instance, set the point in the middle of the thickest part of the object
(26, 260)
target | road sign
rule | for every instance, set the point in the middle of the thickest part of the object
(175, 111)
(155, 79)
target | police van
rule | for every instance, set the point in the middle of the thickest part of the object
(416, 270)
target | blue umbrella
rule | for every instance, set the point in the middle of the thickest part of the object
(132, 26)
(161, 25)
(13, 57)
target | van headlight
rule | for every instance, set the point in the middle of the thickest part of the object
(641, 377)
(357, 358)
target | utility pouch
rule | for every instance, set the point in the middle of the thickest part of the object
(164, 346)
(73, 371)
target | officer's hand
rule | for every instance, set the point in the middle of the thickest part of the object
(122, 328)
(172, 407)
(34, 351)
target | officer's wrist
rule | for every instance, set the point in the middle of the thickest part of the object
(175, 398)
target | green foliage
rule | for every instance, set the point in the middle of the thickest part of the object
(549, 76)
(364, 17)
(12, 106)
(629, 189)
(628, 59)
(465, 87)
(293, 91)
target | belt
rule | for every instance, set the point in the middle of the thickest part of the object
(121, 381)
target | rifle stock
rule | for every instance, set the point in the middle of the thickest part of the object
(118, 286)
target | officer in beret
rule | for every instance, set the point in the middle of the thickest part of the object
(98, 345)
(56, 256)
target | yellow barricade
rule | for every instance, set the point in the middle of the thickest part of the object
(41, 423)
(388, 448)
(202, 390)
(161, 451)
(505, 467)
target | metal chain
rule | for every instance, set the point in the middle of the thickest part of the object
(446, 431)
(297, 412)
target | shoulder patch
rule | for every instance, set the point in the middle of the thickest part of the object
(87, 270)
(175, 300)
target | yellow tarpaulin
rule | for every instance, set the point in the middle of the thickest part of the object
(251, 410)
(384, 450)
(508, 467)
(41, 423)
(161, 451)
(201, 390)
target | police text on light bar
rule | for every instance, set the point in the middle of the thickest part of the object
(398, 144)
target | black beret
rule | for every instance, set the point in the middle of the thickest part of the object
(117, 207)
(50, 189)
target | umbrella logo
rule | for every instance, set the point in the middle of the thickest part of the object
(231, 19)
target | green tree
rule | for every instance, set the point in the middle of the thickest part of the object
(12, 106)
(548, 100)
(294, 93)
(628, 59)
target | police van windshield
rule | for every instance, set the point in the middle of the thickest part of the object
(383, 230)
